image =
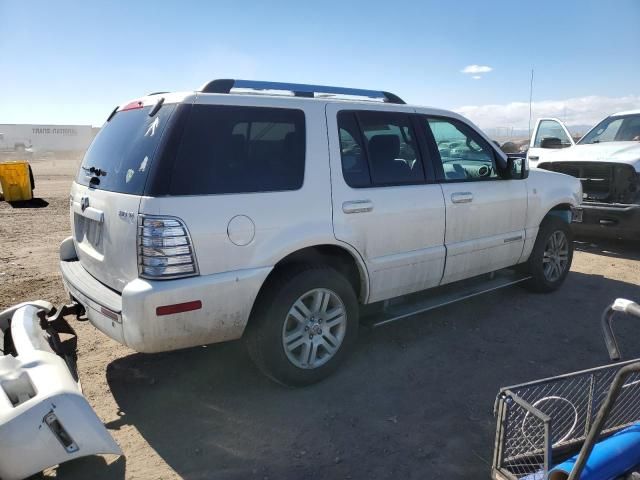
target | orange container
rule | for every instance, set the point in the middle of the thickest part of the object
(15, 181)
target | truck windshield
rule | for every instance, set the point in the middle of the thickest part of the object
(622, 128)
(123, 150)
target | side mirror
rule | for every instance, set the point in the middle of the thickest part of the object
(517, 168)
(551, 142)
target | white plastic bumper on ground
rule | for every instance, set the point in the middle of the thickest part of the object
(44, 419)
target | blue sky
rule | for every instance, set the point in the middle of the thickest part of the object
(72, 62)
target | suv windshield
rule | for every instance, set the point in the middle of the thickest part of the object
(124, 149)
(614, 129)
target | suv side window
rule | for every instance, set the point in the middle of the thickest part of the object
(232, 149)
(355, 167)
(379, 149)
(464, 155)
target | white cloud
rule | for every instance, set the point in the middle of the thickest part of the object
(476, 77)
(476, 69)
(573, 111)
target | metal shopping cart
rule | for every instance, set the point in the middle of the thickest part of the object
(541, 425)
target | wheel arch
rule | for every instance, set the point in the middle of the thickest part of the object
(339, 256)
(560, 215)
(562, 211)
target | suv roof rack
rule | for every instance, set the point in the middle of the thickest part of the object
(298, 89)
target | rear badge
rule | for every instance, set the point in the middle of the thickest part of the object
(127, 216)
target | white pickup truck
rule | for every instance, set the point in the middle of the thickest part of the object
(607, 162)
(286, 219)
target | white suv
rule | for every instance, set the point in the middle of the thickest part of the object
(207, 216)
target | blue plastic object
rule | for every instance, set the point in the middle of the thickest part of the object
(609, 459)
(562, 214)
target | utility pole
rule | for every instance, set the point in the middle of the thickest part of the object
(530, 101)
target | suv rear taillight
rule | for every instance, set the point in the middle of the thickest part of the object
(165, 249)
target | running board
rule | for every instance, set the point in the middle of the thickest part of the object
(420, 302)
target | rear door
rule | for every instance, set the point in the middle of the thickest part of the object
(385, 203)
(548, 135)
(106, 194)
(486, 214)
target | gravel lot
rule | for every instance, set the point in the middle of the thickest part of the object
(414, 401)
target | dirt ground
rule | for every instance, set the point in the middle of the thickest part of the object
(414, 401)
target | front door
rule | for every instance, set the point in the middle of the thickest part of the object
(383, 203)
(486, 214)
(548, 135)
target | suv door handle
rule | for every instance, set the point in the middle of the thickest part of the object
(534, 157)
(462, 197)
(357, 206)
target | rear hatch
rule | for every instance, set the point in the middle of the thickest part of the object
(604, 182)
(106, 194)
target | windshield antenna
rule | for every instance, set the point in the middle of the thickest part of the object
(530, 101)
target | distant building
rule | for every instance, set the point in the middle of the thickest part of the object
(45, 138)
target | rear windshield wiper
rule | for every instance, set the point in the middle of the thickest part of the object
(157, 107)
(95, 173)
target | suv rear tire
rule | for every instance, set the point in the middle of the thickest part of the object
(551, 257)
(303, 324)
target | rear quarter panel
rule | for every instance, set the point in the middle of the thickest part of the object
(283, 221)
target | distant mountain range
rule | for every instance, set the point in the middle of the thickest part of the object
(502, 133)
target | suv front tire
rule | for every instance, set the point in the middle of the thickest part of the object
(551, 257)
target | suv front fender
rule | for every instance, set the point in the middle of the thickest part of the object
(548, 193)
(549, 190)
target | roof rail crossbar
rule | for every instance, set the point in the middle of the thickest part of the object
(298, 89)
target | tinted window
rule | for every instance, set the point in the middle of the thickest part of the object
(551, 129)
(463, 153)
(354, 162)
(230, 149)
(124, 149)
(378, 149)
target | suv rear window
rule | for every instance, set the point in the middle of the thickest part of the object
(124, 149)
(231, 149)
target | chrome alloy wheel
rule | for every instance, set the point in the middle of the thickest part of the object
(314, 328)
(556, 256)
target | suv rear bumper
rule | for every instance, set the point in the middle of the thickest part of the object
(130, 317)
(611, 220)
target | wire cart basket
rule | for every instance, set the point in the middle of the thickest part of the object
(544, 422)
